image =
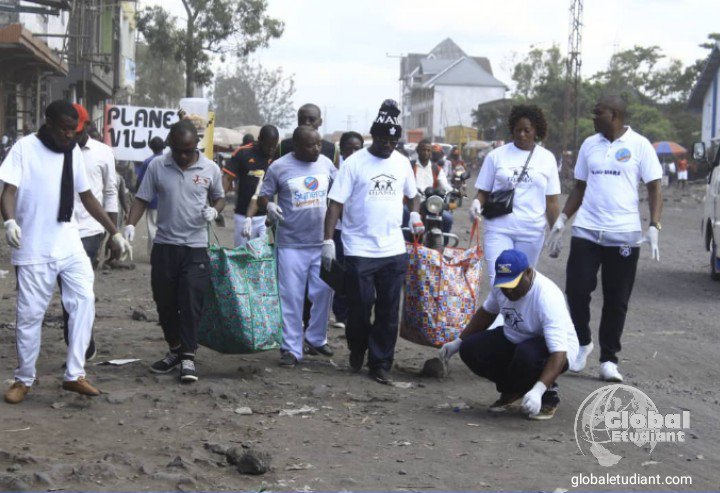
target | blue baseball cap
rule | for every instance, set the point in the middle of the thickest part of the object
(509, 268)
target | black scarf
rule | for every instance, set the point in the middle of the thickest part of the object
(66, 183)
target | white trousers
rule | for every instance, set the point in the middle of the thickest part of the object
(298, 267)
(494, 243)
(36, 284)
(258, 229)
(151, 219)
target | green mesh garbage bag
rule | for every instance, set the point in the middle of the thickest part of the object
(241, 313)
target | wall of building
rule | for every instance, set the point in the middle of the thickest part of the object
(711, 108)
(51, 24)
(453, 105)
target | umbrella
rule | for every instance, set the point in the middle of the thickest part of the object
(225, 137)
(667, 148)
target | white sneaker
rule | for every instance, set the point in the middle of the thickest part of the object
(339, 325)
(581, 359)
(609, 372)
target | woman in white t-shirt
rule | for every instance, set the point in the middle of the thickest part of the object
(535, 203)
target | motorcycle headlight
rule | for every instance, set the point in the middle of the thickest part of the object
(434, 204)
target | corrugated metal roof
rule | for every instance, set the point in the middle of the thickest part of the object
(464, 72)
(433, 66)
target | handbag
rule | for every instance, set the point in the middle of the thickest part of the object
(500, 203)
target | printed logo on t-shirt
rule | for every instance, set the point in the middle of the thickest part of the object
(383, 187)
(516, 174)
(309, 192)
(623, 155)
(199, 180)
(513, 319)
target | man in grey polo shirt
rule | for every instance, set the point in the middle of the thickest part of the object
(183, 181)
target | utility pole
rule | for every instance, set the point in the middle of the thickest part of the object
(571, 110)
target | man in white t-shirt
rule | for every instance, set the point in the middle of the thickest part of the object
(41, 175)
(607, 231)
(301, 180)
(531, 350)
(100, 170)
(369, 192)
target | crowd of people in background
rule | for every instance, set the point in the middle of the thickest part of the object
(338, 205)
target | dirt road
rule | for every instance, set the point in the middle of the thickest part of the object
(149, 432)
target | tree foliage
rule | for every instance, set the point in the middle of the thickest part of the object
(655, 87)
(160, 79)
(253, 95)
(212, 27)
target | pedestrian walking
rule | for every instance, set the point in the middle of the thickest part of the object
(350, 143)
(682, 172)
(41, 175)
(607, 231)
(301, 181)
(184, 181)
(531, 350)
(309, 114)
(157, 146)
(369, 193)
(99, 162)
(246, 168)
(527, 171)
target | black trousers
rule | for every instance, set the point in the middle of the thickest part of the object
(179, 276)
(514, 368)
(340, 304)
(619, 265)
(374, 282)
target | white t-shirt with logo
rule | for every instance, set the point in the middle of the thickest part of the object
(371, 190)
(501, 170)
(37, 173)
(302, 190)
(613, 171)
(542, 312)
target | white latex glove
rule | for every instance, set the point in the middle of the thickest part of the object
(532, 401)
(128, 233)
(13, 233)
(416, 225)
(247, 228)
(449, 349)
(126, 252)
(328, 254)
(274, 213)
(475, 210)
(556, 236)
(210, 214)
(651, 237)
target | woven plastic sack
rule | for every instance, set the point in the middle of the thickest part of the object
(242, 313)
(440, 293)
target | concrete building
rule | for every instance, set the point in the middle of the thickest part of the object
(441, 89)
(705, 98)
(83, 52)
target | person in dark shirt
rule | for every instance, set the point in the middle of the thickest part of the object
(246, 169)
(157, 146)
(309, 114)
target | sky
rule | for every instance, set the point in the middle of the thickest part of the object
(345, 55)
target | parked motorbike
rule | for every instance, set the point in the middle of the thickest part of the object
(432, 206)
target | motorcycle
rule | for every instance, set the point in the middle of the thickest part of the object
(459, 176)
(432, 206)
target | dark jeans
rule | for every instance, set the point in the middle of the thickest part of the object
(340, 304)
(514, 368)
(374, 282)
(179, 276)
(619, 265)
(91, 245)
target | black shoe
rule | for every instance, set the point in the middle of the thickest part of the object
(380, 375)
(314, 351)
(91, 351)
(167, 364)
(505, 402)
(357, 360)
(288, 359)
(187, 371)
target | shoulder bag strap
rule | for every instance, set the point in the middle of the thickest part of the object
(524, 170)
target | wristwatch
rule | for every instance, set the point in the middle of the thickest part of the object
(657, 225)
